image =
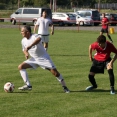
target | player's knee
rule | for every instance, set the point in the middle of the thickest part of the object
(20, 67)
(55, 72)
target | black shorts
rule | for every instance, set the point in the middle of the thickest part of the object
(99, 66)
(104, 30)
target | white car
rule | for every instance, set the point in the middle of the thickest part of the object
(63, 19)
(80, 20)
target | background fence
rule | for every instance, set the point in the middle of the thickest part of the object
(112, 6)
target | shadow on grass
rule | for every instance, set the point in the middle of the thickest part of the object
(96, 90)
(66, 55)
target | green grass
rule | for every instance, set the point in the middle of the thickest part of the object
(69, 52)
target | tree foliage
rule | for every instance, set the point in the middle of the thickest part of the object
(73, 3)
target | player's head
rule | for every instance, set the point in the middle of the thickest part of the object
(27, 28)
(101, 41)
(26, 31)
(103, 14)
(44, 14)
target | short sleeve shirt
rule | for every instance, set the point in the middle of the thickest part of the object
(103, 54)
(43, 25)
(105, 20)
(36, 51)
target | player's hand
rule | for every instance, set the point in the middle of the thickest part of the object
(110, 66)
(26, 56)
(91, 59)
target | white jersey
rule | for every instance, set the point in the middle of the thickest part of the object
(39, 56)
(43, 25)
(37, 50)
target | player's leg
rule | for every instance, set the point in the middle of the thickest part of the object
(97, 67)
(101, 32)
(107, 33)
(46, 40)
(22, 68)
(60, 79)
(92, 81)
(46, 45)
(111, 78)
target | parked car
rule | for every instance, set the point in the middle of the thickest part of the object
(63, 19)
(28, 15)
(111, 17)
(81, 20)
(94, 14)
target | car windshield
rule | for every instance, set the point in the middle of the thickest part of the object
(95, 14)
(81, 15)
(71, 15)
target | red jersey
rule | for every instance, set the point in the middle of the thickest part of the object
(102, 54)
(105, 20)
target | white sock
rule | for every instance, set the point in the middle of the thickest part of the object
(25, 77)
(60, 78)
(46, 49)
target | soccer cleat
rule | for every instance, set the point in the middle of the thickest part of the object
(112, 91)
(89, 88)
(25, 87)
(66, 90)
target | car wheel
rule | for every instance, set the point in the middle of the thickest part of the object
(61, 24)
(82, 23)
(113, 24)
(13, 21)
(69, 24)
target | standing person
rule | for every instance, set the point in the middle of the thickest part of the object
(105, 23)
(32, 45)
(43, 23)
(101, 60)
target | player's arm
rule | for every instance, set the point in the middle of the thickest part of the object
(110, 64)
(52, 29)
(26, 54)
(34, 43)
(90, 53)
(35, 28)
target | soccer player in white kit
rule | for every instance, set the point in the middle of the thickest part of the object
(43, 24)
(32, 46)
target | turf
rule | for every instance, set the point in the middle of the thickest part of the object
(69, 52)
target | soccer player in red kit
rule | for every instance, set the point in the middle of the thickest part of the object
(104, 29)
(101, 61)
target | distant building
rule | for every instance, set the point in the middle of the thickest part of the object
(112, 6)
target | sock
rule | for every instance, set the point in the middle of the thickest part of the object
(110, 38)
(61, 80)
(92, 80)
(25, 77)
(46, 49)
(111, 77)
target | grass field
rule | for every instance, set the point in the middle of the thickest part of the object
(69, 52)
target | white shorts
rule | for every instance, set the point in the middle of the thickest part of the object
(41, 62)
(44, 38)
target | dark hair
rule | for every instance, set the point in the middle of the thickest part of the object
(101, 39)
(28, 28)
(45, 11)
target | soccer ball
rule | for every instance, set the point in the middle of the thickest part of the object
(9, 87)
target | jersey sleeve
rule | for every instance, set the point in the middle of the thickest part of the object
(36, 36)
(38, 20)
(23, 47)
(50, 22)
(93, 46)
